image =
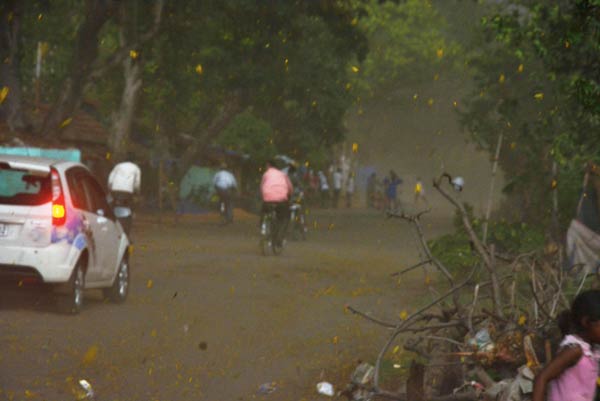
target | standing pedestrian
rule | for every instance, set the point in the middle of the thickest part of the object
(324, 188)
(420, 192)
(371, 188)
(337, 186)
(392, 191)
(349, 189)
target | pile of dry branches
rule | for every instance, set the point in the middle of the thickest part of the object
(497, 318)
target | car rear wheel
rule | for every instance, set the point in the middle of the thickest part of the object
(75, 287)
(120, 287)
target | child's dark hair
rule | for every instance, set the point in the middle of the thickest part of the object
(585, 305)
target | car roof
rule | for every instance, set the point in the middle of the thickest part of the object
(37, 163)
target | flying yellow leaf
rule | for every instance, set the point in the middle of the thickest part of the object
(354, 21)
(520, 68)
(513, 145)
(403, 315)
(66, 122)
(427, 277)
(455, 103)
(149, 284)
(108, 155)
(348, 86)
(522, 320)
(430, 102)
(29, 394)
(153, 333)
(436, 77)
(40, 16)
(4, 93)
(133, 54)
(314, 103)
(415, 96)
(199, 69)
(539, 96)
(567, 44)
(440, 53)
(90, 355)
(355, 69)
(354, 147)
(335, 339)
(501, 79)
(396, 349)
(554, 184)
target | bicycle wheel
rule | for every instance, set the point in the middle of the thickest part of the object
(265, 237)
(276, 236)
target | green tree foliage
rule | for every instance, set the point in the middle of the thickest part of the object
(287, 60)
(407, 44)
(250, 135)
(536, 71)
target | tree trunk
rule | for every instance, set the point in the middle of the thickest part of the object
(11, 110)
(207, 135)
(123, 119)
(119, 139)
(488, 211)
(85, 53)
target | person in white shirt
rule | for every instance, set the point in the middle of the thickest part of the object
(124, 181)
(324, 188)
(225, 186)
(337, 186)
(349, 189)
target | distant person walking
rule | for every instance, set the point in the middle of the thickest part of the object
(225, 185)
(391, 191)
(337, 186)
(371, 189)
(349, 189)
(420, 193)
(324, 188)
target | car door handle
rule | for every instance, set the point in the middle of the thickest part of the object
(101, 220)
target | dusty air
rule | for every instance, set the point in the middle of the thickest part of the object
(299, 200)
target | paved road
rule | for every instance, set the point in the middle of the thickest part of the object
(208, 318)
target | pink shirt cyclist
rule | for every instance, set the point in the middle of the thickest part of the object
(275, 186)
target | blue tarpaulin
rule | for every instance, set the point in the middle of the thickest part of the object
(73, 155)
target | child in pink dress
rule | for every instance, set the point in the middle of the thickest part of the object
(572, 374)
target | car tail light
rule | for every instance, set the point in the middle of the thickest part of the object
(59, 212)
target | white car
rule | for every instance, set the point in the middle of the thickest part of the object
(57, 227)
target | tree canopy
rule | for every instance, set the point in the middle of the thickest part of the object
(537, 82)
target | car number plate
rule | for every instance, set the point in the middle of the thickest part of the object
(3, 230)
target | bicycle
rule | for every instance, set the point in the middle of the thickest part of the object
(225, 211)
(297, 218)
(268, 228)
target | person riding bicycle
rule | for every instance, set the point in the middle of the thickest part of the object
(124, 182)
(276, 190)
(225, 185)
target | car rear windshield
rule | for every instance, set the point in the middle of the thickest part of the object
(23, 187)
